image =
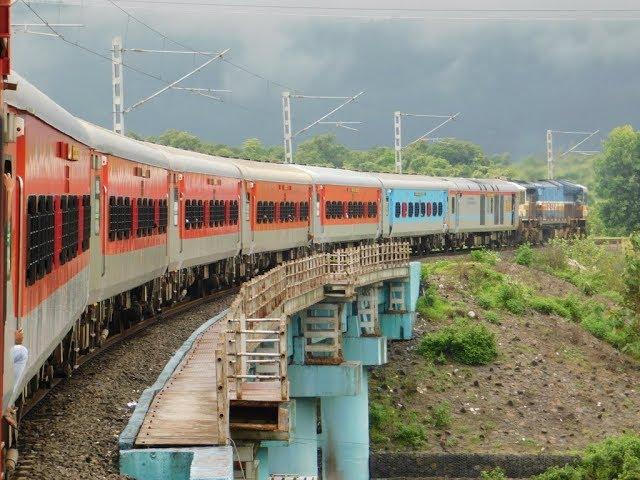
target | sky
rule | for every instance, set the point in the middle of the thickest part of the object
(512, 69)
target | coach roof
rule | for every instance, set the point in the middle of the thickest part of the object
(28, 98)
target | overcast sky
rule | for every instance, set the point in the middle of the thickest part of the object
(512, 75)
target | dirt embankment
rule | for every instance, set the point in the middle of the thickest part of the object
(554, 387)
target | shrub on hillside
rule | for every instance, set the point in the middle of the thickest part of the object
(524, 255)
(464, 341)
(614, 458)
(432, 306)
(494, 474)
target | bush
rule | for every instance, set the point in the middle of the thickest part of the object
(484, 256)
(524, 255)
(616, 458)
(494, 474)
(464, 341)
(441, 415)
(411, 434)
(511, 296)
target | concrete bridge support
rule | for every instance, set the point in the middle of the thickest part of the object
(331, 391)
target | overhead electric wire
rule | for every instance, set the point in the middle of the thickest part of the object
(130, 67)
(191, 49)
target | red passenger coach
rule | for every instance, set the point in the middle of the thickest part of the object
(276, 208)
(130, 192)
(205, 202)
(347, 205)
(52, 221)
(48, 159)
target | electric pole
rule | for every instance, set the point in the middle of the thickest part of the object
(397, 123)
(117, 80)
(550, 158)
(289, 135)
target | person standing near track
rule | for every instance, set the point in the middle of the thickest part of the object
(19, 359)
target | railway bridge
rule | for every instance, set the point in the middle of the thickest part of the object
(277, 385)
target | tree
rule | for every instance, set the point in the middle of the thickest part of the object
(322, 150)
(618, 180)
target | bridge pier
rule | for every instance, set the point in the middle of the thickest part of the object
(329, 376)
(286, 374)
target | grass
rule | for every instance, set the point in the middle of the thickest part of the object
(432, 306)
(594, 269)
(524, 255)
(467, 342)
(495, 292)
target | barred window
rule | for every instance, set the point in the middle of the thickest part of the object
(334, 209)
(216, 213)
(120, 218)
(372, 210)
(404, 209)
(423, 209)
(265, 212)
(163, 215)
(194, 214)
(435, 209)
(146, 216)
(69, 209)
(304, 211)
(40, 237)
(287, 212)
(439, 208)
(410, 214)
(397, 209)
(86, 222)
(428, 209)
(233, 212)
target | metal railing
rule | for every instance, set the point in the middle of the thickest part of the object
(256, 341)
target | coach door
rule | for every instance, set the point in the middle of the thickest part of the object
(483, 209)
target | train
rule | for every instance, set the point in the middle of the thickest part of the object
(103, 231)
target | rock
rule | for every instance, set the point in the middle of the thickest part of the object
(476, 383)
(471, 314)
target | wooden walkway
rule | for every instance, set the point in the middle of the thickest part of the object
(191, 409)
(243, 359)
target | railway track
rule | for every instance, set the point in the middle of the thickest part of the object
(116, 339)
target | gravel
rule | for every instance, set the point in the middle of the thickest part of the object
(73, 433)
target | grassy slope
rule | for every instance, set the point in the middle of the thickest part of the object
(554, 387)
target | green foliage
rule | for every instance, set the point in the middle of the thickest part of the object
(616, 458)
(385, 423)
(432, 306)
(492, 317)
(632, 274)
(618, 180)
(594, 269)
(496, 473)
(524, 255)
(484, 256)
(465, 342)
(411, 434)
(441, 415)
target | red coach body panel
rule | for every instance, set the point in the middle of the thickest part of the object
(124, 178)
(207, 188)
(41, 171)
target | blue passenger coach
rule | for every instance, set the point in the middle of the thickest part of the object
(414, 206)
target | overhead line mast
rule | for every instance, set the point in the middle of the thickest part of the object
(398, 147)
(289, 135)
(550, 156)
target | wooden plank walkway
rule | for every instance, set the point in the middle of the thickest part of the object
(187, 411)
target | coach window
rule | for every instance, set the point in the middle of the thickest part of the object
(410, 210)
(423, 209)
(404, 209)
(440, 209)
(397, 210)
(428, 208)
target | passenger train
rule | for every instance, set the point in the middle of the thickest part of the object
(104, 230)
